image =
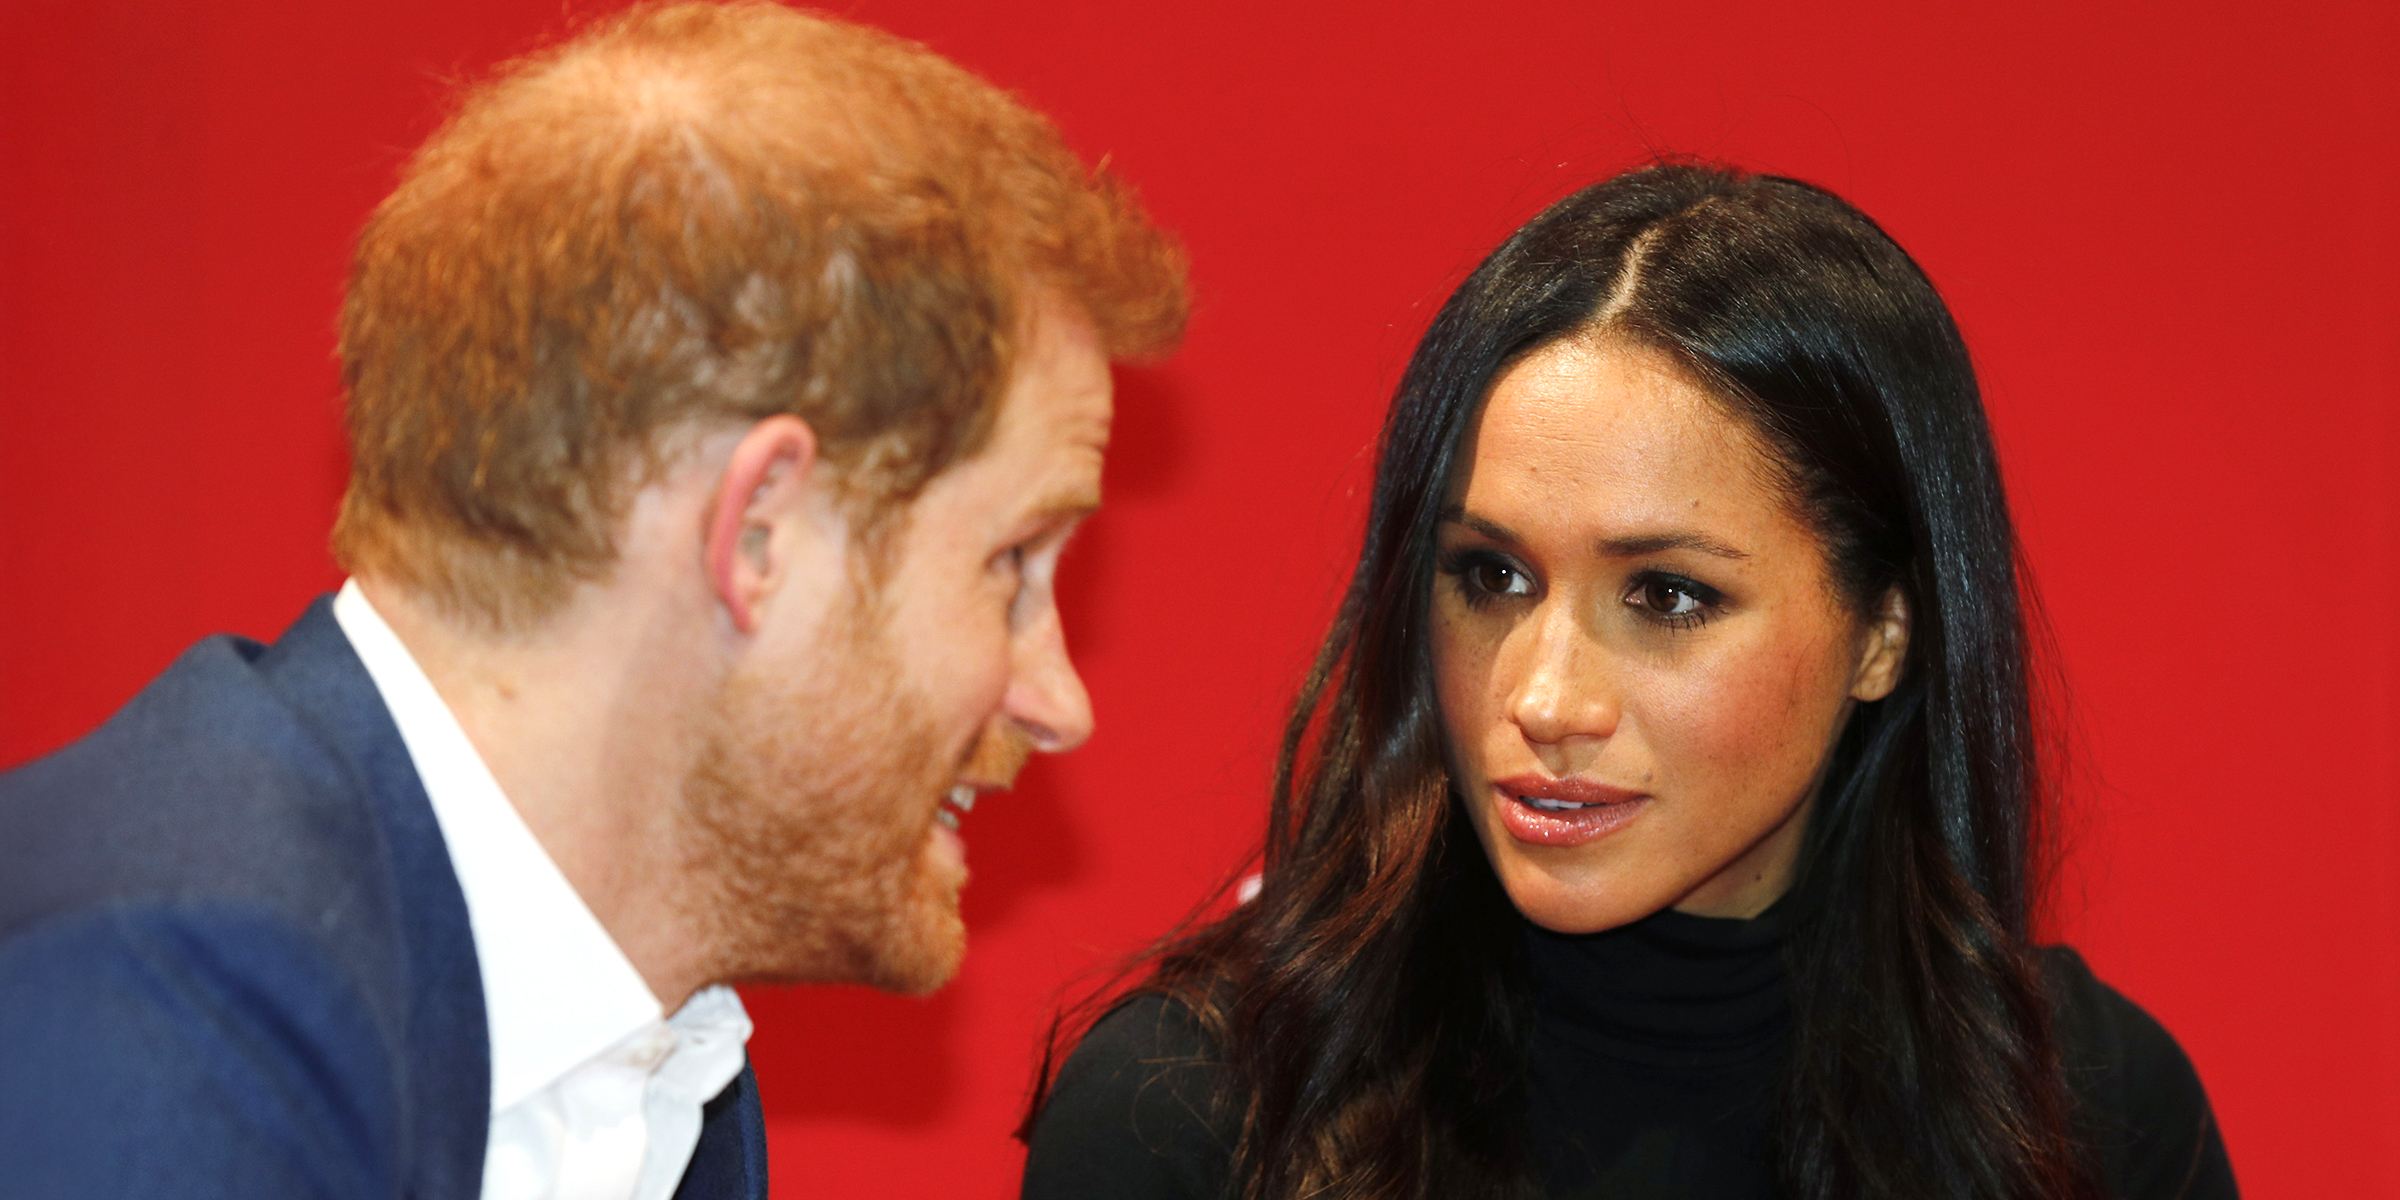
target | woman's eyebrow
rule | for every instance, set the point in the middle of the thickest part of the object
(1458, 515)
(1629, 546)
(1636, 545)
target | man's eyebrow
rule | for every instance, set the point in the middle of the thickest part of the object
(1065, 506)
(1632, 546)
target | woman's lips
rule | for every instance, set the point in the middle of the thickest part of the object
(1563, 812)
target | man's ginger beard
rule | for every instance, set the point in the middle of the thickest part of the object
(807, 819)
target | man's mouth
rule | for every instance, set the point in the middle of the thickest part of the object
(959, 802)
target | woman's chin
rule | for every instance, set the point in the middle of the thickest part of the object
(1565, 906)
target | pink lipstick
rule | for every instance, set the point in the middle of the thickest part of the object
(1563, 812)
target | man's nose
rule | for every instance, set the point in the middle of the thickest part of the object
(1561, 690)
(1046, 698)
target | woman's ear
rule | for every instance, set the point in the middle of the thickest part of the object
(750, 519)
(1884, 649)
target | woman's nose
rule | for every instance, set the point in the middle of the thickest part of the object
(1560, 688)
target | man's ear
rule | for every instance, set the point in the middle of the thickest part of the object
(764, 487)
(1885, 649)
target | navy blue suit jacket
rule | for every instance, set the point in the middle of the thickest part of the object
(235, 962)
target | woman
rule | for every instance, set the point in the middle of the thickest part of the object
(1656, 820)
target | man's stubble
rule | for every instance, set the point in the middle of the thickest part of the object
(807, 815)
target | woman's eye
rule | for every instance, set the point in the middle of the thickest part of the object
(1481, 577)
(1498, 579)
(1677, 601)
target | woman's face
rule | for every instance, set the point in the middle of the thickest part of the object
(1641, 658)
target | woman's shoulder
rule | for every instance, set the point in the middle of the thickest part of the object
(2135, 1090)
(1136, 1113)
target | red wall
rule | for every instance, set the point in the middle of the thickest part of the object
(2167, 234)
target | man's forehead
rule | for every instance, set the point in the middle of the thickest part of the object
(1080, 424)
(1066, 482)
(1060, 398)
(1042, 462)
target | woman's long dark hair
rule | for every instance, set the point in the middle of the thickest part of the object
(1369, 1003)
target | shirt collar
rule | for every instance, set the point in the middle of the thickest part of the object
(557, 990)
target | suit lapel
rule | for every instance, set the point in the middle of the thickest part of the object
(730, 1163)
(447, 1062)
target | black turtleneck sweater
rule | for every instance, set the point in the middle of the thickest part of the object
(1653, 1062)
(1654, 1055)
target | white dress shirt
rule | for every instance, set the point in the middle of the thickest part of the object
(594, 1095)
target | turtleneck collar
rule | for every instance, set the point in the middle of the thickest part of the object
(1670, 989)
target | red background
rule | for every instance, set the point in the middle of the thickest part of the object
(2166, 231)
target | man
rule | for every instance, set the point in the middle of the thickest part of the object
(722, 386)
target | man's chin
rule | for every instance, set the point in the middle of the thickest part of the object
(924, 938)
(923, 957)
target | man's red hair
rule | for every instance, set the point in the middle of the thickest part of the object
(698, 214)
